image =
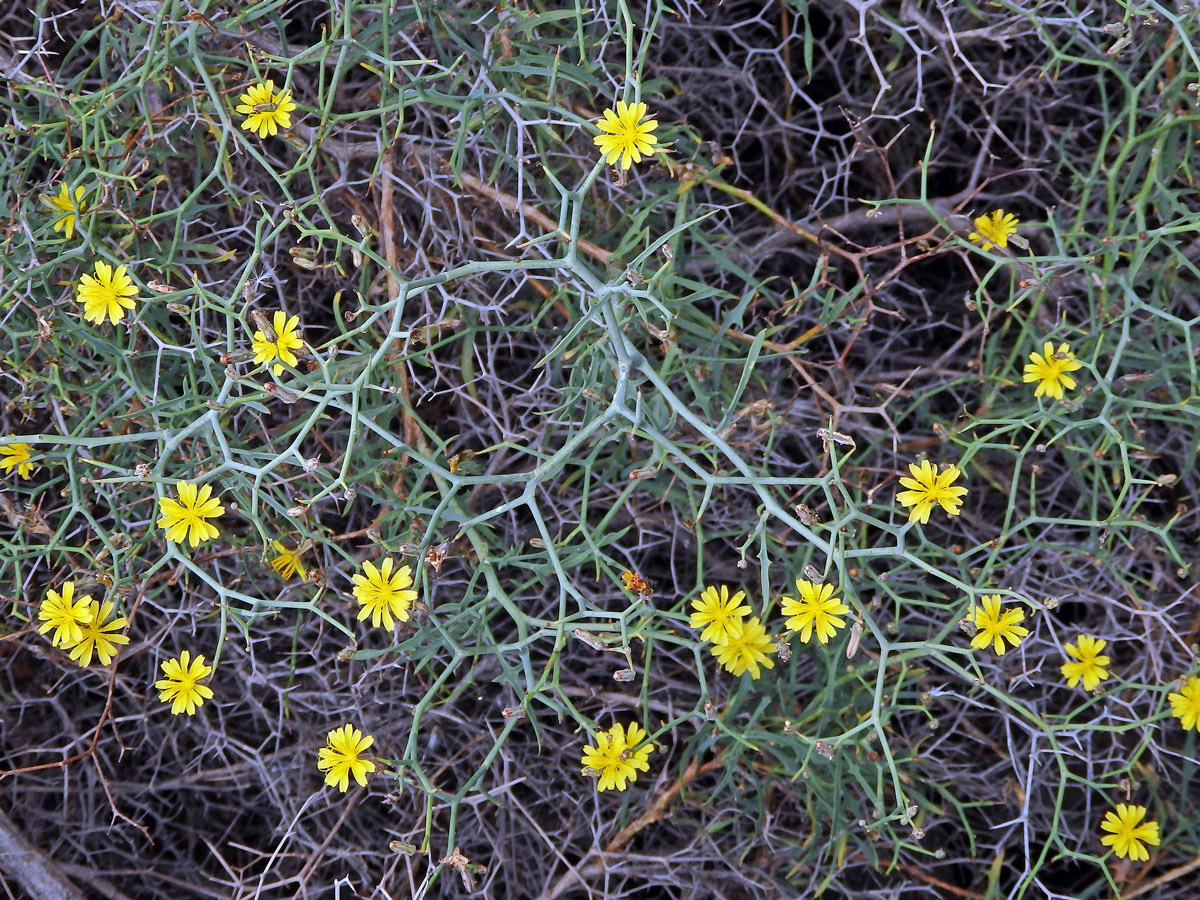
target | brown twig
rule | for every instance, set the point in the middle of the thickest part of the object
(655, 810)
(658, 806)
(387, 233)
(32, 868)
(1170, 875)
(510, 203)
(938, 883)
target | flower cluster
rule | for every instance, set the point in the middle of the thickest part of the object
(739, 640)
(88, 628)
(1087, 665)
(741, 643)
(108, 292)
(1049, 370)
(82, 625)
(738, 643)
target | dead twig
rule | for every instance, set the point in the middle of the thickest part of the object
(33, 869)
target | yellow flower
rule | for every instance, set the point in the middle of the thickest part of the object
(1090, 666)
(1185, 706)
(745, 647)
(98, 634)
(614, 760)
(929, 487)
(338, 759)
(717, 612)
(996, 625)
(280, 344)
(287, 563)
(180, 685)
(994, 228)
(66, 206)
(636, 583)
(185, 518)
(382, 594)
(65, 615)
(16, 456)
(107, 293)
(1127, 835)
(266, 109)
(626, 135)
(816, 609)
(1049, 370)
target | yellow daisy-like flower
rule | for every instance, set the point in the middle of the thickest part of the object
(817, 609)
(1049, 369)
(1128, 831)
(1090, 662)
(98, 635)
(927, 487)
(181, 684)
(287, 563)
(266, 109)
(1185, 706)
(16, 456)
(65, 614)
(995, 228)
(66, 206)
(185, 518)
(279, 345)
(614, 760)
(107, 293)
(717, 612)
(746, 647)
(625, 134)
(339, 758)
(382, 594)
(996, 625)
